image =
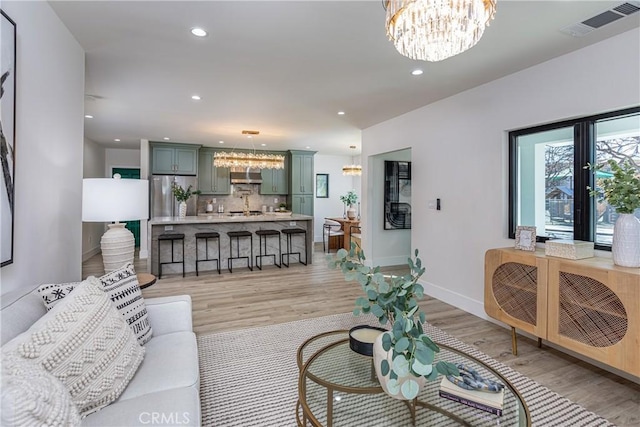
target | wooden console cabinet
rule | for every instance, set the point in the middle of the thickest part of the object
(589, 306)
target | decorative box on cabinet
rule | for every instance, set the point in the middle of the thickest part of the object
(515, 290)
(589, 306)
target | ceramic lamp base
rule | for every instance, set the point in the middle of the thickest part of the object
(117, 246)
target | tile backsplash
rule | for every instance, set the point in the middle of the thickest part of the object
(234, 202)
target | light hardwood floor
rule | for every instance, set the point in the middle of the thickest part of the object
(245, 299)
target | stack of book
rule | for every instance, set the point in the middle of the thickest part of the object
(485, 401)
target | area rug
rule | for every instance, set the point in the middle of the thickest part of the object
(249, 377)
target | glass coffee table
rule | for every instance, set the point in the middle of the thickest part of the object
(338, 387)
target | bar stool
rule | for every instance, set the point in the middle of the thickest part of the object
(206, 235)
(237, 235)
(290, 232)
(262, 236)
(172, 237)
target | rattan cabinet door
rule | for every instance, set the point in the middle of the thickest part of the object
(594, 310)
(515, 289)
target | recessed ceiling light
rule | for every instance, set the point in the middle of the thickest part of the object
(341, 113)
(264, 145)
(88, 116)
(196, 98)
(198, 32)
(166, 138)
(117, 140)
(416, 72)
(307, 146)
(220, 142)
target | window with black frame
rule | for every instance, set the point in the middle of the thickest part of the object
(548, 181)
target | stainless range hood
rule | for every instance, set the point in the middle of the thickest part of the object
(245, 176)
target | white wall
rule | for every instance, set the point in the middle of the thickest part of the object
(459, 151)
(93, 167)
(121, 158)
(49, 140)
(339, 185)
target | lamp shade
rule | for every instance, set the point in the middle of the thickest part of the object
(114, 199)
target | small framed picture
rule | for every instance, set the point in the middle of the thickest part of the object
(322, 185)
(525, 238)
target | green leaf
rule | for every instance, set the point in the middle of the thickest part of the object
(356, 312)
(412, 311)
(342, 253)
(393, 375)
(386, 341)
(393, 387)
(402, 344)
(433, 375)
(410, 389)
(424, 354)
(372, 295)
(433, 346)
(384, 367)
(383, 287)
(332, 264)
(421, 317)
(408, 326)
(418, 290)
(447, 368)
(421, 368)
(401, 365)
(363, 279)
(377, 311)
(361, 301)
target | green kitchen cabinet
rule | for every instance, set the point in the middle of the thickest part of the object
(301, 172)
(302, 204)
(212, 180)
(275, 181)
(174, 159)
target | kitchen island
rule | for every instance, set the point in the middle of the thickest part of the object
(223, 223)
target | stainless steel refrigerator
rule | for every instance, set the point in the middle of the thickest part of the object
(163, 202)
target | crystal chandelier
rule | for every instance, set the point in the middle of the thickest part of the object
(352, 170)
(433, 30)
(223, 159)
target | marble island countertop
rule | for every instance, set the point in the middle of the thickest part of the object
(214, 218)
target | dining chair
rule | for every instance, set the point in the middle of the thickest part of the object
(331, 228)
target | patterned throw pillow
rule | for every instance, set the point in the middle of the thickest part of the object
(85, 343)
(32, 396)
(124, 290)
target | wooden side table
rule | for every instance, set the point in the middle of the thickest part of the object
(145, 280)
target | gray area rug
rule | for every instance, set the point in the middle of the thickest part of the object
(249, 377)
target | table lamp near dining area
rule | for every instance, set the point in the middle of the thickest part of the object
(114, 200)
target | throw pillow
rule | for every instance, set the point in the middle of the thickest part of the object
(85, 343)
(32, 396)
(124, 290)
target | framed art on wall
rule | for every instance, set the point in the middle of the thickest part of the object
(397, 195)
(7, 136)
(525, 238)
(322, 185)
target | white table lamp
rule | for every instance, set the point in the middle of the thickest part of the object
(115, 199)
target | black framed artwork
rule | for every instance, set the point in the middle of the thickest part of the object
(322, 185)
(397, 195)
(7, 136)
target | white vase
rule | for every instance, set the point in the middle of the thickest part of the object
(379, 354)
(626, 241)
(351, 213)
(182, 209)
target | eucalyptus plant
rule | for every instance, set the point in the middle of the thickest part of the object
(351, 198)
(181, 194)
(394, 301)
(622, 190)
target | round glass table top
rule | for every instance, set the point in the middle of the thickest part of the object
(339, 387)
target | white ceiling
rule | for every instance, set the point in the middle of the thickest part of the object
(286, 68)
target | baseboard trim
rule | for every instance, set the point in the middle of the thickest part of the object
(90, 253)
(457, 300)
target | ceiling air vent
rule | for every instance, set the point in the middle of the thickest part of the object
(608, 16)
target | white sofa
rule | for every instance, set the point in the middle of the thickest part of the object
(165, 388)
